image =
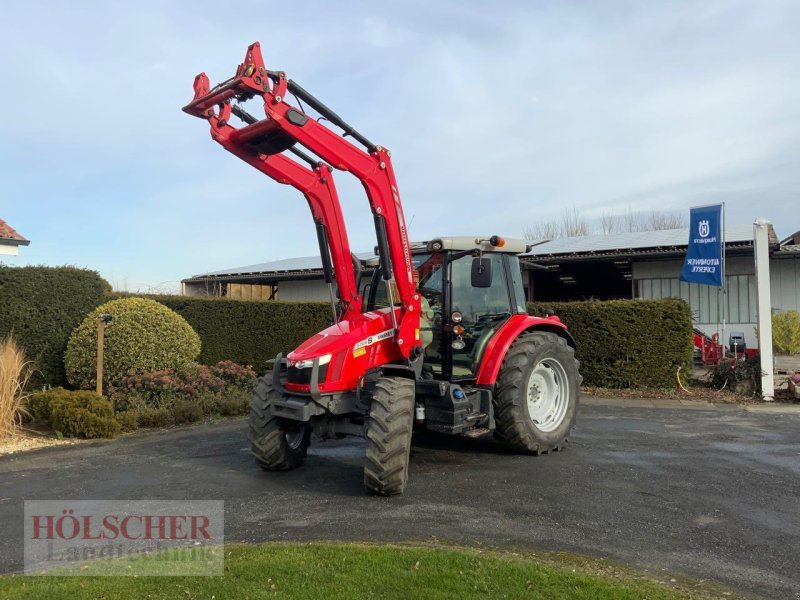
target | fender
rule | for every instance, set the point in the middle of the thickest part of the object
(501, 341)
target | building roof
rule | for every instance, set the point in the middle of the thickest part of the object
(10, 237)
(665, 241)
(297, 265)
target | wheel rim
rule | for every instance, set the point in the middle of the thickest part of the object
(548, 394)
(294, 438)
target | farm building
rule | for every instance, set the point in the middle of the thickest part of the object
(623, 265)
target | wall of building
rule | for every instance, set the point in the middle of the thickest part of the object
(659, 279)
(305, 290)
(200, 288)
(785, 276)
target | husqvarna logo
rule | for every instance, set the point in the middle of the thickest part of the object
(703, 228)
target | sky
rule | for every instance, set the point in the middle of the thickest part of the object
(498, 115)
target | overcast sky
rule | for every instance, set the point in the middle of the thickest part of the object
(498, 114)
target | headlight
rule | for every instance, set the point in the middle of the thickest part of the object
(307, 363)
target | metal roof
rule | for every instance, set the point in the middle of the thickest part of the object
(662, 242)
(634, 242)
(286, 265)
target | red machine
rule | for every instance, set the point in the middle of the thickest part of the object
(443, 339)
(707, 350)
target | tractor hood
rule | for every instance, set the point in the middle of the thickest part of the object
(345, 351)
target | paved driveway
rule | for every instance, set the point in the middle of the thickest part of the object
(711, 493)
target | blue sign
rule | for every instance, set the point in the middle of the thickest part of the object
(704, 254)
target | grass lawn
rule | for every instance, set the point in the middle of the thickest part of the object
(320, 570)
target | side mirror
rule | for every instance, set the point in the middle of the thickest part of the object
(481, 272)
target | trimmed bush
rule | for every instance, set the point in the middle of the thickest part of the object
(37, 405)
(786, 332)
(41, 306)
(627, 343)
(144, 336)
(248, 332)
(80, 413)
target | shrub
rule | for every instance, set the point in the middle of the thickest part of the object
(234, 373)
(786, 332)
(37, 406)
(144, 336)
(162, 388)
(41, 306)
(627, 343)
(237, 402)
(185, 395)
(15, 372)
(186, 411)
(155, 417)
(249, 332)
(740, 376)
(128, 420)
(81, 414)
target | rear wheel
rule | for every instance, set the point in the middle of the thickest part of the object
(278, 445)
(391, 418)
(537, 393)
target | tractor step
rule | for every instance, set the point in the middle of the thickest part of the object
(477, 432)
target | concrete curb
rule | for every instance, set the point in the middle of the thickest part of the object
(774, 407)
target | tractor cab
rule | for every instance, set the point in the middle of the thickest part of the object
(469, 288)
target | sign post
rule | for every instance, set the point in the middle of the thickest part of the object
(101, 334)
(764, 307)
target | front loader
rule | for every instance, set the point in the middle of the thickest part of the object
(439, 340)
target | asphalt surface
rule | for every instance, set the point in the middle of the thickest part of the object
(714, 494)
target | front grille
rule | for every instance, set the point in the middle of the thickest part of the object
(295, 375)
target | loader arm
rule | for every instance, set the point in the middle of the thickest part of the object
(316, 184)
(286, 125)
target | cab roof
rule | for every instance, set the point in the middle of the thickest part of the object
(465, 242)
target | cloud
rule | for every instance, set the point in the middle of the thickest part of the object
(497, 117)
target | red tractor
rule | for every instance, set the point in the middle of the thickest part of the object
(440, 339)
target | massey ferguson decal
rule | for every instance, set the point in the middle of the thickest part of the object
(383, 335)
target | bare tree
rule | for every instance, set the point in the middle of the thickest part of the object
(573, 223)
(609, 223)
(543, 230)
(632, 221)
(658, 220)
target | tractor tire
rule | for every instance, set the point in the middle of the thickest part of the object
(537, 394)
(391, 419)
(277, 444)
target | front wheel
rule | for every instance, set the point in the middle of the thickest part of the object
(391, 419)
(537, 391)
(277, 445)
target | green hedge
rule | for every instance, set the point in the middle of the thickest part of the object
(41, 306)
(627, 343)
(249, 332)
